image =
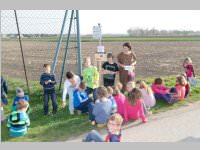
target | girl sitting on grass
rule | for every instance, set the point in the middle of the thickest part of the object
(178, 92)
(120, 99)
(133, 107)
(160, 90)
(147, 94)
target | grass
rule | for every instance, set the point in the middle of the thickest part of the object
(62, 126)
(114, 39)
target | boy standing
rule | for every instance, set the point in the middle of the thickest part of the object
(48, 81)
(110, 69)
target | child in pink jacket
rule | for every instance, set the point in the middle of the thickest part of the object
(120, 99)
(133, 108)
(160, 90)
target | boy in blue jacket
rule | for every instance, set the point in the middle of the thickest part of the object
(81, 99)
(48, 81)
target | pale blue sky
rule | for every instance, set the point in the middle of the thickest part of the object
(112, 21)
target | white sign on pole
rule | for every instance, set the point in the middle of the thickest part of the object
(97, 32)
(100, 49)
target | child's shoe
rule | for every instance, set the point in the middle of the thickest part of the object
(101, 125)
(93, 123)
(79, 112)
(3, 121)
(72, 113)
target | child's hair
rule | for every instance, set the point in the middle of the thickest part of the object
(143, 85)
(46, 65)
(19, 92)
(117, 118)
(110, 90)
(158, 81)
(119, 85)
(69, 75)
(131, 83)
(181, 80)
(134, 96)
(22, 104)
(82, 85)
(127, 44)
(184, 75)
(102, 92)
(110, 55)
(116, 91)
(188, 59)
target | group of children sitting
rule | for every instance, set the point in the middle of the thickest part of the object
(105, 105)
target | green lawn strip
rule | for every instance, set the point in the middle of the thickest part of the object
(63, 126)
(113, 39)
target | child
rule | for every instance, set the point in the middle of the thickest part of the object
(114, 125)
(187, 86)
(147, 94)
(160, 90)
(4, 101)
(18, 121)
(19, 95)
(102, 109)
(133, 107)
(81, 99)
(91, 77)
(190, 73)
(119, 85)
(129, 87)
(110, 68)
(110, 96)
(120, 99)
(48, 81)
(71, 83)
(178, 93)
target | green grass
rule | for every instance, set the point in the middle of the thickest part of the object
(63, 126)
(114, 39)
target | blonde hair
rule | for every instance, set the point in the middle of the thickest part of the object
(119, 85)
(181, 80)
(22, 104)
(117, 118)
(143, 85)
(102, 92)
(110, 90)
(188, 59)
(116, 91)
(131, 83)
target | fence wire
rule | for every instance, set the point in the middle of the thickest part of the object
(39, 30)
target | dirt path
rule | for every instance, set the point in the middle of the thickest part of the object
(182, 124)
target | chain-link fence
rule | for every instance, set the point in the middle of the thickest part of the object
(39, 31)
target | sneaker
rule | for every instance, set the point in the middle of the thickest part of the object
(101, 125)
(79, 112)
(83, 140)
(93, 123)
(72, 113)
(3, 121)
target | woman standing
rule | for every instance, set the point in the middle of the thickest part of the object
(126, 61)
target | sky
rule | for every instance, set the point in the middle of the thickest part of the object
(112, 21)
